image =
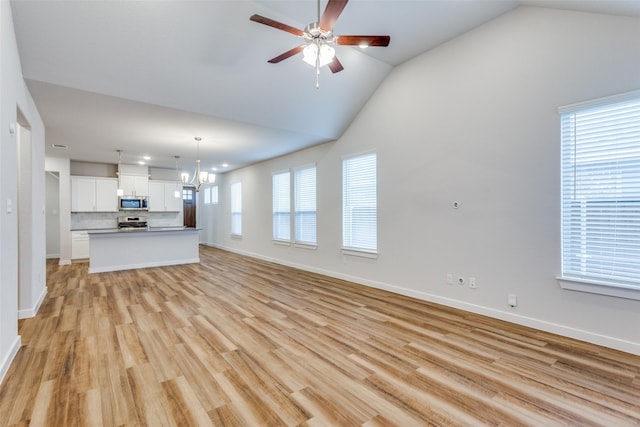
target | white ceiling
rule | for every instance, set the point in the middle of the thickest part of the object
(147, 77)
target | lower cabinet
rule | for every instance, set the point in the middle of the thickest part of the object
(79, 244)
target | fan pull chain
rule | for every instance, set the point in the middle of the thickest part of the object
(318, 64)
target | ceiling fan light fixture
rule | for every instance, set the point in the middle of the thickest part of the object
(321, 52)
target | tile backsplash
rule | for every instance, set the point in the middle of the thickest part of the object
(102, 220)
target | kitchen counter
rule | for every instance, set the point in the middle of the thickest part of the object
(114, 249)
(139, 230)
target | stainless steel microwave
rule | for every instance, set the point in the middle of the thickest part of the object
(133, 203)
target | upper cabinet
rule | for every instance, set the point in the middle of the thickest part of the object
(134, 180)
(134, 185)
(162, 196)
(89, 194)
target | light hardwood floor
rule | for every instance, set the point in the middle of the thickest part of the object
(238, 341)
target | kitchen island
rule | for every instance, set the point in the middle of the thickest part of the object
(113, 250)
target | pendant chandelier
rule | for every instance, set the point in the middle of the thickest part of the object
(200, 177)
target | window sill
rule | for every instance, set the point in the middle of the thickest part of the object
(281, 242)
(359, 253)
(305, 246)
(236, 236)
(599, 287)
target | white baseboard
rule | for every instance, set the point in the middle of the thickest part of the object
(51, 256)
(11, 354)
(64, 262)
(567, 331)
(31, 312)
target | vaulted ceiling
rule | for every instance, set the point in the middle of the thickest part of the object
(147, 77)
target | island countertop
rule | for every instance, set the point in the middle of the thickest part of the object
(116, 249)
(141, 230)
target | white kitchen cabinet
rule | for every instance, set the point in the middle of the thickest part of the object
(134, 185)
(83, 194)
(106, 195)
(79, 244)
(162, 196)
(90, 194)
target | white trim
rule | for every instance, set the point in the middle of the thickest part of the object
(305, 166)
(281, 242)
(64, 262)
(613, 99)
(601, 288)
(360, 153)
(579, 334)
(359, 253)
(25, 314)
(302, 245)
(143, 265)
(6, 362)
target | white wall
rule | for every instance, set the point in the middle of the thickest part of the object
(63, 168)
(14, 96)
(52, 216)
(473, 121)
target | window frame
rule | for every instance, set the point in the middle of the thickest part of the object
(274, 235)
(586, 283)
(294, 202)
(233, 206)
(346, 249)
(293, 229)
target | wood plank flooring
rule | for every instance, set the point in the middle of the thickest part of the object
(235, 341)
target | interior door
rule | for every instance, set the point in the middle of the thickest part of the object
(189, 206)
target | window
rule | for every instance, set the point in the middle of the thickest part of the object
(236, 209)
(359, 203)
(188, 195)
(601, 196)
(305, 205)
(214, 195)
(281, 206)
(210, 195)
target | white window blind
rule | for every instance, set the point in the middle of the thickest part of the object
(601, 192)
(214, 195)
(282, 206)
(305, 205)
(236, 208)
(359, 203)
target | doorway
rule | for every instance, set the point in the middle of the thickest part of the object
(189, 206)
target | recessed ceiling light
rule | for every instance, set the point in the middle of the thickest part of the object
(141, 162)
(60, 146)
(147, 158)
(225, 165)
(214, 169)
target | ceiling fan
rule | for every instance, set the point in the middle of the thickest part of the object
(318, 38)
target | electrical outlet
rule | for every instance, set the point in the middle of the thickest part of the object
(512, 300)
(449, 278)
(461, 280)
(472, 282)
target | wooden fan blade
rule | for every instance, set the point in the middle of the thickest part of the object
(287, 54)
(363, 40)
(331, 13)
(275, 24)
(335, 66)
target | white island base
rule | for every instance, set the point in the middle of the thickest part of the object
(126, 250)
